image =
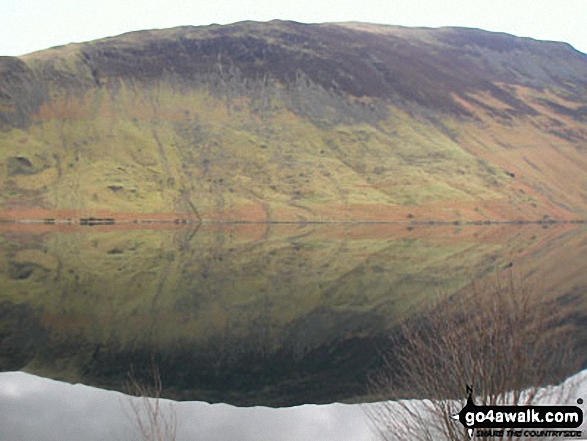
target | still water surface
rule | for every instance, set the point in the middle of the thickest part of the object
(271, 315)
(34, 408)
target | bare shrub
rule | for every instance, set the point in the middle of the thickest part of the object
(154, 420)
(501, 339)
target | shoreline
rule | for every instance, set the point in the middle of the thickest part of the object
(91, 221)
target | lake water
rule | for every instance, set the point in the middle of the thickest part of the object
(255, 314)
(34, 408)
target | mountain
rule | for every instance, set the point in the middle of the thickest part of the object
(285, 121)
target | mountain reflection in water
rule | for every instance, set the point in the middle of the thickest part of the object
(273, 315)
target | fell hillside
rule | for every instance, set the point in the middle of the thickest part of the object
(284, 121)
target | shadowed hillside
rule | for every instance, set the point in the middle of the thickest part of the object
(287, 121)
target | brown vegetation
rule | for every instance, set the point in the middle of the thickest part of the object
(502, 340)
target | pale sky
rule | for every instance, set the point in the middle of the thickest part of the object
(30, 25)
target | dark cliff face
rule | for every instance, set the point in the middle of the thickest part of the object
(424, 66)
(373, 61)
(20, 93)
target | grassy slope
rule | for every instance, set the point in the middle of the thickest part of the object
(545, 152)
(161, 151)
(244, 122)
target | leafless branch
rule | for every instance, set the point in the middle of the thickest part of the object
(153, 419)
(500, 338)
